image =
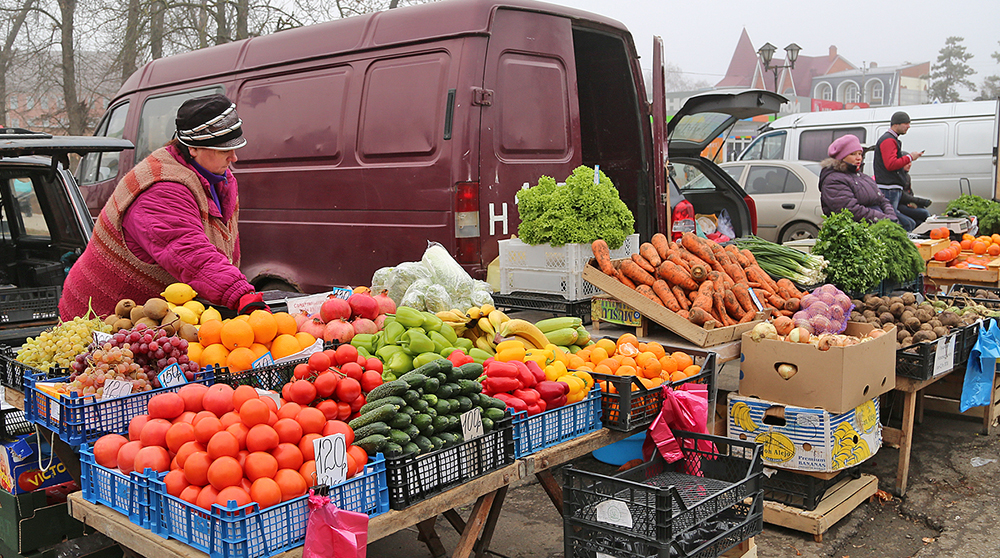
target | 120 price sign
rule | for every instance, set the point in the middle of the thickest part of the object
(331, 459)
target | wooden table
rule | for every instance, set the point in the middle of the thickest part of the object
(487, 491)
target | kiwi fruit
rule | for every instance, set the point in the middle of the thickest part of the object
(149, 322)
(188, 332)
(136, 313)
(122, 323)
(155, 308)
(111, 319)
(124, 307)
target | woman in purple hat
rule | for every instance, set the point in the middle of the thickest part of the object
(842, 185)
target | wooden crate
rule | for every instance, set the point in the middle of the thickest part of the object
(840, 500)
(939, 274)
(746, 549)
(928, 247)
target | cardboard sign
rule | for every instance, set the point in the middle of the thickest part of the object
(304, 353)
(101, 338)
(265, 360)
(312, 303)
(331, 459)
(944, 356)
(472, 424)
(117, 388)
(172, 376)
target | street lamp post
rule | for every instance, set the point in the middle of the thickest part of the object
(766, 53)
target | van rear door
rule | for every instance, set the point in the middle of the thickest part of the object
(661, 193)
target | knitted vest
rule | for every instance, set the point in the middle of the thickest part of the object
(108, 271)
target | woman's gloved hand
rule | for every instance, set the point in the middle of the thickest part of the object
(923, 202)
(250, 302)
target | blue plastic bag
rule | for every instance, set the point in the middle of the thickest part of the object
(978, 386)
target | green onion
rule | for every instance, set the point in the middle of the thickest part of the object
(782, 261)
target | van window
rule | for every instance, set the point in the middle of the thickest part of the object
(931, 138)
(768, 146)
(974, 138)
(156, 122)
(97, 166)
(813, 144)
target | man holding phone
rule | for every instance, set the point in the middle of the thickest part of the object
(890, 162)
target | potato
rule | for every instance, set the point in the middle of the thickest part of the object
(940, 331)
(886, 317)
(924, 335)
(912, 323)
(896, 308)
(908, 298)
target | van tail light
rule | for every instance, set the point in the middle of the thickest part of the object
(467, 223)
(681, 219)
(752, 207)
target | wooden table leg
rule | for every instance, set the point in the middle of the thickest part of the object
(491, 523)
(905, 441)
(551, 487)
(919, 419)
(474, 525)
(456, 520)
(428, 535)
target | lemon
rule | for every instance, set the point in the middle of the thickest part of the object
(195, 306)
(210, 314)
(186, 314)
(178, 293)
(171, 306)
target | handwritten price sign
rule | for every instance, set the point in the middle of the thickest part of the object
(331, 459)
(101, 338)
(265, 360)
(472, 424)
(172, 376)
(117, 388)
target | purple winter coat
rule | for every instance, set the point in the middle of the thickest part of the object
(842, 186)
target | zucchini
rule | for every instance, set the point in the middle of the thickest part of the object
(397, 387)
(401, 421)
(413, 379)
(385, 414)
(469, 386)
(372, 405)
(470, 371)
(424, 443)
(411, 448)
(373, 428)
(493, 414)
(399, 437)
(373, 444)
(392, 449)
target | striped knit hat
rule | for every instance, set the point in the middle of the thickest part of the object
(210, 122)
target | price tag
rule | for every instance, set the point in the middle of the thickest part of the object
(265, 360)
(756, 302)
(101, 338)
(331, 459)
(54, 411)
(274, 396)
(613, 512)
(312, 303)
(472, 424)
(944, 356)
(172, 376)
(597, 174)
(117, 388)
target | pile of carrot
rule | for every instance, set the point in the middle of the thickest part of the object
(700, 280)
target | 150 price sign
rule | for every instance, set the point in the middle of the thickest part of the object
(331, 459)
(172, 376)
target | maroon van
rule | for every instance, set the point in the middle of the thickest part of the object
(371, 135)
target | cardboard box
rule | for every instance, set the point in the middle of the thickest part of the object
(804, 439)
(19, 470)
(837, 380)
(693, 333)
(28, 522)
(611, 310)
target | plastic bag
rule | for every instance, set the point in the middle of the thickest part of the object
(382, 279)
(685, 408)
(404, 275)
(437, 299)
(725, 224)
(979, 372)
(443, 269)
(415, 293)
(334, 533)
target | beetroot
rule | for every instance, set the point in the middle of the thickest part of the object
(364, 325)
(338, 331)
(314, 327)
(363, 305)
(385, 304)
(334, 309)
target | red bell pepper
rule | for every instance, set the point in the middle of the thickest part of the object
(534, 409)
(555, 403)
(500, 384)
(458, 358)
(536, 371)
(550, 390)
(497, 369)
(528, 395)
(524, 374)
(513, 402)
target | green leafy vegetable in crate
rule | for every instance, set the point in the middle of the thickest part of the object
(856, 256)
(903, 262)
(986, 211)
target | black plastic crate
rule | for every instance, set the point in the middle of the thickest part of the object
(412, 478)
(29, 305)
(546, 303)
(802, 490)
(271, 377)
(675, 508)
(628, 409)
(917, 361)
(13, 423)
(12, 371)
(888, 286)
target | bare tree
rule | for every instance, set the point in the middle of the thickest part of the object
(7, 54)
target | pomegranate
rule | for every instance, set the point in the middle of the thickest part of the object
(314, 327)
(301, 317)
(363, 306)
(338, 330)
(334, 309)
(385, 304)
(380, 322)
(364, 325)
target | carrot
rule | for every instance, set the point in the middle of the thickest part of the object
(749, 256)
(736, 272)
(603, 256)
(661, 244)
(762, 295)
(733, 306)
(693, 260)
(792, 304)
(777, 301)
(699, 273)
(647, 291)
(787, 284)
(643, 263)
(716, 278)
(648, 251)
(662, 290)
(702, 317)
(758, 275)
(742, 294)
(684, 314)
(738, 256)
(720, 309)
(696, 246)
(771, 285)
(786, 313)
(675, 256)
(748, 316)
(624, 280)
(636, 273)
(674, 275)
(681, 297)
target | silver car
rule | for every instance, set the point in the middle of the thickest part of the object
(786, 194)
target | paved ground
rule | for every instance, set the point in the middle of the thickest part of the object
(949, 509)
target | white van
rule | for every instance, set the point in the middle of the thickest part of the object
(959, 142)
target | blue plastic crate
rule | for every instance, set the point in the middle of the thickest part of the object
(247, 532)
(82, 420)
(128, 495)
(549, 428)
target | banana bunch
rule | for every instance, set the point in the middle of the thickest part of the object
(478, 324)
(741, 416)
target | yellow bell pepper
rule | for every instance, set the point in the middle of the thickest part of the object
(577, 388)
(557, 353)
(541, 356)
(555, 370)
(588, 380)
(511, 353)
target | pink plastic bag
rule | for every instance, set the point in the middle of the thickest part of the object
(334, 533)
(685, 408)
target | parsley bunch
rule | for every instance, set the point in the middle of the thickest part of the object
(856, 256)
(986, 211)
(903, 262)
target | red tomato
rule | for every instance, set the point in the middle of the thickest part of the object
(326, 383)
(348, 389)
(302, 371)
(302, 392)
(346, 353)
(358, 403)
(353, 370)
(330, 408)
(375, 364)
(343, 410)
(370, 380)
(319, 361)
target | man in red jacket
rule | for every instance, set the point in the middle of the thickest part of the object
(889, 163)
(172, 218)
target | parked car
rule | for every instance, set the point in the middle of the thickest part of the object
(786, 195)
(44, 225)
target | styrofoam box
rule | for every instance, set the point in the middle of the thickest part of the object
(552, 269)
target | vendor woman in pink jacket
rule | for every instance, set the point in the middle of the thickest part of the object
(172, 218)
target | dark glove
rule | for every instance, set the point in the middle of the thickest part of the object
(923, 202)
(250, 302)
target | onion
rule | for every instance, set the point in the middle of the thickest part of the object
(786, 370)
(799, 335)
(783, 324)
(763, 330)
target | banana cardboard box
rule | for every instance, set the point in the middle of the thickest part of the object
(19, 470)
(805, 439)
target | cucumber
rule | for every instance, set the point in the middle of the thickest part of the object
(443, 407)
(392, 449)
(464, 403)
(401, 421)
(385, 414)
(373, 444)
(409, 410)
(411, 448)
(455, 405)
(450, 439)
(430, 398)
(412, 431)
(436, 442)
(423, 422)
(411, 395)
(420, 405)
(431, 385)
(454, 422)
(373, 428)
(470, 371)
(442, 377)
(493, 414)
(431, 411)
(447, 390)
(372, 405)
(493, 402)
(424, 443)
(397, 387)
(469, 386)
(413, 379)
(435, 366)
(399, 437)
(441, 424)
(487, 425)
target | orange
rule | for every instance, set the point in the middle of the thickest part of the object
(629, 361)
(995, 238)
(646, 382)
(240, 358)
(656, 349)
(651, 368)
(575, 361)
(966, 244)
(210, 332)
(598, 355)
(979, 247)
(284, 345)
(305, 340)
(258, 349)
(194, 351)
(625, 370)
(214, 354)
(627, 338)
(611, 363)
(607, 344)
(584, 354)
(285, 323)
(683, 359)
(993, 250)
(264, 326)
(692, 370)
(603, 369)
(667, 364)
(968, 237)
(678, 376)
(237, 333)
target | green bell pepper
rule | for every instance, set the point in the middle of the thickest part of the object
(386, 352)
(431, 322)
(365, 341)
(424, 358)
(464, 343)
(479, 355)
(415, 342)
(440, 342)
(400, 363)
(449, 333)
(409, 317)
(392, 332)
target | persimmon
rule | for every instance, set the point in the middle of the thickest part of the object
(979, 248)
(266, 492)
(224, 471)
(291, 483)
